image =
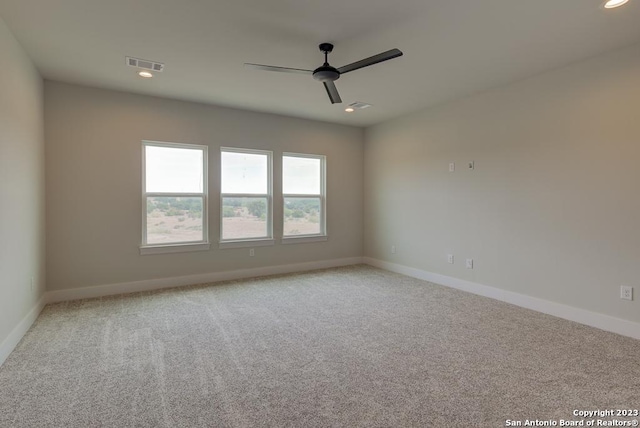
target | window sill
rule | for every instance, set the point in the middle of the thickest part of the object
(247, 243)
(304, 239)
(175, 248)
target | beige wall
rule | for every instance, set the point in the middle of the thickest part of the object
(22, 233)
(94, 183)
(552, 208)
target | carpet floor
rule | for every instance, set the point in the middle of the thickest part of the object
(346, 347)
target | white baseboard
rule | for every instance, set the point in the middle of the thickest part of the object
(582, 316)
(8, 345)
(155, 284)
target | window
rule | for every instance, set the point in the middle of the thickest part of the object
(303, 189)
(246, 197)
(174, 185)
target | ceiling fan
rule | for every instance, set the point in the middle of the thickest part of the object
(328, 74)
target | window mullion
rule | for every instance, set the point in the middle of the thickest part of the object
(244, 195)
(173, 195)
(293, 195)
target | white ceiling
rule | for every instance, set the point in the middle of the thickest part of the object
(452, 48)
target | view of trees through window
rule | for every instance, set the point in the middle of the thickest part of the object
(174, 219)
(244, 218)
(301, 216)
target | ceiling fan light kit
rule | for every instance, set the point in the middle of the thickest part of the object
(328, 74)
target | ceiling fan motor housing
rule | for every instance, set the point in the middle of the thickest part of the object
(325, 73)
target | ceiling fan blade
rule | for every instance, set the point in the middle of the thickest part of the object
(384, 56)
(274, 68)
(332, 91)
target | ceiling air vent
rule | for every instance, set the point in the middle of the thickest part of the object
(144, 64)
(359, 105)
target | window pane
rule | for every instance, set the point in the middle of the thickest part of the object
(171, 220)
(244, 173)
(244, 218)
(300, 176)
(302, 216)
(172, 170)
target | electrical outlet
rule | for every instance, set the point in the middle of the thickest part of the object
(452, 167)
(626, 292)
(252, 252)
(471, 165)
(393, 249)
(469, 264)
(450, 258)
(33, 284)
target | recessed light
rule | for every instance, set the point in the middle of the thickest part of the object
(349, 110)
(145, 74)
(610, 4)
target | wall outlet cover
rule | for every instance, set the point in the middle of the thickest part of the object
(626, 292)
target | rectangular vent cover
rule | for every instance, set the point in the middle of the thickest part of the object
(359, 105)
(143, 63)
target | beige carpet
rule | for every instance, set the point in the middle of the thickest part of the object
(347, 347)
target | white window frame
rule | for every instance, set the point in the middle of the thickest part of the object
(249, 242)
(315, 237)
(175, 247)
